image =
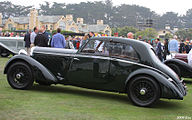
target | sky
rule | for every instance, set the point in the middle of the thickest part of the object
(159, 6)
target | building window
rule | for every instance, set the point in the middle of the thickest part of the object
(73, 29)
(62, 25)
(10, 26)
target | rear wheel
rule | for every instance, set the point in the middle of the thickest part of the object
(175, 68)
(19, 76)
(143, 91)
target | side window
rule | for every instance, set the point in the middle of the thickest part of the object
(96, 47)
(122, 50)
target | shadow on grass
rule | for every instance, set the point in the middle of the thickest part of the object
(102, 95)
(82, 92)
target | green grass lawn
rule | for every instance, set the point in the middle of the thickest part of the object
(59, 102)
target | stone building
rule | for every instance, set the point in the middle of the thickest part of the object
(52, 23)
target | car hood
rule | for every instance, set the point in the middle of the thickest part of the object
(48, 50)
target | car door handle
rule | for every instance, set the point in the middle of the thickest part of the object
(77, 59)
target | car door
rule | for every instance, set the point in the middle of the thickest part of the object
(90, 66)
(124, 60)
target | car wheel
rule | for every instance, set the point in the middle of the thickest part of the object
(143, 91)
(19, 76)
(175, 68)
(5, 54)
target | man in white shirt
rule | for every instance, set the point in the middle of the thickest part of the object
(33, 35)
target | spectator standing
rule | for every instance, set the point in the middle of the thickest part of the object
(45, 32)
(165, 49)
(58, 40)
(159, 49)
(130, 35)
(41, 40)
(189, 58)
(27, 42)
(182, 47)
(33, 35)
(187, 46)
(173, 45)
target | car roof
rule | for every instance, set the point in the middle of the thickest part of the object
(132, 42)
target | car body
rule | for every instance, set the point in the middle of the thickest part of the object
(11, 45)
(181, 56)
(103, 63)
(179, 64)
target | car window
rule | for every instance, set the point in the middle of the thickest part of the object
(122, 50)
(95, 47)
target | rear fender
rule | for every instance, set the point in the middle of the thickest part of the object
(34, 64)
(162, 80)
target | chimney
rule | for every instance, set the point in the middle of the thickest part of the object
(99, 22)
(33, 18)
(80, 20)
(175, 28)
(69, 17)
(1, 17)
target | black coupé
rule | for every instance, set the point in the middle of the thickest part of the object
(103, 63)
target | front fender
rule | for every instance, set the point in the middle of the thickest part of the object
(35, 64)
(168, 88)
(2, 46)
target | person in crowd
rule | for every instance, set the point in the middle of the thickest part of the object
(17, 35)
(69, 44)
(116, 34)
(189, 58)
(27, 42)
(91, 34)
(49, 43)
(173, 45)
(41, 40)
(165, 49)
(130, 35)
(187, 46)
(84, 40)
(159, 49)
(44, 31)
(182, 47)
(33, 35)
(58, 40)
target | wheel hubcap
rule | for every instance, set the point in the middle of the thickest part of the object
(18, 76)
(143, 91)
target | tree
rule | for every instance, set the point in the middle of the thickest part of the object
(148, 33)
(124, 30)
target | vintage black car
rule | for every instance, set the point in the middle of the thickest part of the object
(103, 63)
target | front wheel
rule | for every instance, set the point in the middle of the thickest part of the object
(19, 76)
(143, 91)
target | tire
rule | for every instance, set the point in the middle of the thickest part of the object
(143, 91)
(5, 54)
(19, 76)
(175, 68)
